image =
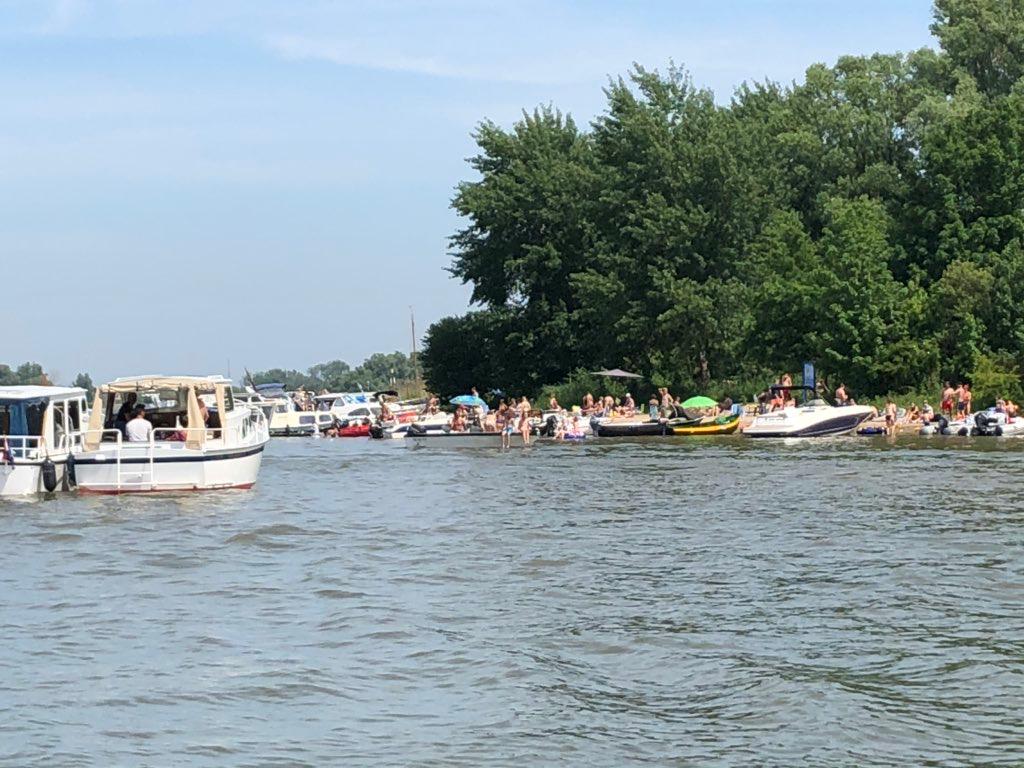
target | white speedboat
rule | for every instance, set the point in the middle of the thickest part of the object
(40, 431)
(346, 406)
(813, 418)
(185, 451)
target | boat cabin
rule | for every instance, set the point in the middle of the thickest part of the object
(174, 407)
(41, 421)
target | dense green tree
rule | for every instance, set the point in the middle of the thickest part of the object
(868, 218)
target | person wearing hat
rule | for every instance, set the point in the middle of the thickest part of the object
(628, 404)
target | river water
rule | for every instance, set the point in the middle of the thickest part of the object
(729, 602)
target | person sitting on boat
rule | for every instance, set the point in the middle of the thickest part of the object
(777, 402)
(125, 413)
(588, 403)
(841, 397)
(553, 404)
(491, 422)
(629, 405)
(573, 430)
(139, 429)
(913, 413)
(1011, 410)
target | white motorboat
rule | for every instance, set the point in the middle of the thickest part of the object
(185, 451)
(446, 438)
(346, 406)
(813, 418)
(290, 421)
(40, 430)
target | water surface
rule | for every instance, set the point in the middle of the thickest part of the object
(677, 602)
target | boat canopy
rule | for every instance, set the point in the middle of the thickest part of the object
(201, 384)
(190, 386)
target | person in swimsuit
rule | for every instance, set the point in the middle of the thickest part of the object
(786, 382)
(946, 404)
(841, 395)
(967, 397)
(961, 402)
(524, 424)
(890, 417)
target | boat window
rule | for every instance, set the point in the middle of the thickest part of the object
(59, 424)
(360, 412)
(74, 415)
(22, 417)
(305, 419)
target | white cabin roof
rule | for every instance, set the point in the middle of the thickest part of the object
(35, 391)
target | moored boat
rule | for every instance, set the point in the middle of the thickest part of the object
(813, 418)
(446, 438)
(721, 425)
(649, 428)
(191, 446)
(40, 433)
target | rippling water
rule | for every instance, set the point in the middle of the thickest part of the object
(732, 602)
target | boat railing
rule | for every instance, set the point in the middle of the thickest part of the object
(25, 447)
(34, 447)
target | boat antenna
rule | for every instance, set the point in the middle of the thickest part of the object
(415, 362)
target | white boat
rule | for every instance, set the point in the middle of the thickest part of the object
(449, 439)
(40, 428)
(290, 421)
(993, 423)
(813, 418)
(345, 406)
(397, 430)
(223, 452)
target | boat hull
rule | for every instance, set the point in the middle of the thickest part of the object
(833, 424)
(460, 440)
(727, 427)
(189, 470)
(640, 428)
(26, 479)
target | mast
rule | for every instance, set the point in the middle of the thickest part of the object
(415, 361)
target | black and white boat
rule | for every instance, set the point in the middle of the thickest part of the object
(812, 418)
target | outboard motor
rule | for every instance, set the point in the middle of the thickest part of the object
(417, 429)
(49, 474)
(376, 431)
(550, 426)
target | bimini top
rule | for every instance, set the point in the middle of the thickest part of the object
(147, 383)
(36, 391)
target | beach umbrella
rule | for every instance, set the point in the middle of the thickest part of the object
(470, 401)
(616, 373)
(699, 401)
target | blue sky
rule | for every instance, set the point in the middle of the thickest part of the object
(184, 184)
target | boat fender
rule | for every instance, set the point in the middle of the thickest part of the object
(962, 432)
(49, 474)
(70, 477)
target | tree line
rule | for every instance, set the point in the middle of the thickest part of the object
(378, 372)
(33, 373)
(869, 218)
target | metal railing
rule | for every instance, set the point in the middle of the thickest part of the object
(153, 448)
(34, 447)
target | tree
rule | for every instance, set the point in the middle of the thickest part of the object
(985, 38)
(84, 381)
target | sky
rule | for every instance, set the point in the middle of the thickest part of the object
(211, 185)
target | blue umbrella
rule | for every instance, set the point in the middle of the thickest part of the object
(470, 401)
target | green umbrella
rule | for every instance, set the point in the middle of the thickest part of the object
(699, 401)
